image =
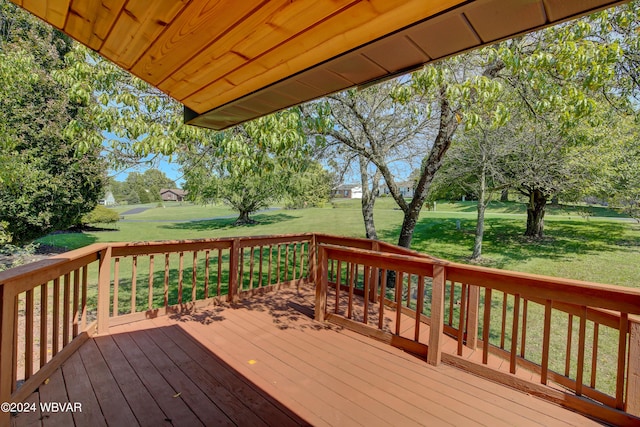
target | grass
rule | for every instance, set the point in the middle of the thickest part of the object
(602, 249)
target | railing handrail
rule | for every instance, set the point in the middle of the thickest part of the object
(574, 292)
(38, 271)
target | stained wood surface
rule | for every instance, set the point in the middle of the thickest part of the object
(264, 361)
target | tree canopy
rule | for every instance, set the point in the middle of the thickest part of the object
(249, 166)
(44, 184)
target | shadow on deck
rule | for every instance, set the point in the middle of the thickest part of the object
(264, 361)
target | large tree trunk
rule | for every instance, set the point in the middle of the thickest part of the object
(244, 219)
(504, 196)
(368, 198)
(482, 205)
(535, 214)
(448, 125)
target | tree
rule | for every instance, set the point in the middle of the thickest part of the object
(45, 184)
(249, 166)
(372, 129)
(474, 165)
(145, 187)
(310, 188)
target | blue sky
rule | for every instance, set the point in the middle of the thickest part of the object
(171, 169)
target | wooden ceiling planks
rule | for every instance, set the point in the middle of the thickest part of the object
(52, 11)
(90, 21)
(229, 61)
(138, 27)
(239, 48)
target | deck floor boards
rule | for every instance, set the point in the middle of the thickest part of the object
(262, 362)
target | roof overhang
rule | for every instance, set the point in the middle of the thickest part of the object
(229, 61)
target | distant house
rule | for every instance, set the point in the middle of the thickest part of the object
(405, 188)
(172, 194)
(108, 200)
(347, 191)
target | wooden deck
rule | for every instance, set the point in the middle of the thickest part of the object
(266, 362)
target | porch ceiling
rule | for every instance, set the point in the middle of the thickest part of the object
(230, 61)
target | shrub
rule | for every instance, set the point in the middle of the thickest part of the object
(100, 215)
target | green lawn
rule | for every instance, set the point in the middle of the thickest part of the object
(600, 248)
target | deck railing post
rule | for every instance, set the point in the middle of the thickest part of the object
(313, 261)
(234, 257)
(434, 353)
(321, 285)
(472, 317)
(633, 369)
(104, 291)
(373, 294)
(7, 348)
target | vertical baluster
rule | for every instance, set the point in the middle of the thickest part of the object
(219, 272)
(337, 305)
(270, 269)
(514, 334)
(166, 281)
(295, 253)
(150, 282)
(567, 363)
(134, 277)
(278, 266)
(409, 278)
(251, 262)
(65, 310)
(302, 275)
(545, 342)
(504, 319)
(452, 298)
(581, 348)
(180, 272)
(260, 267)
(286, 262)
(116, 273)
(76, 301)
(206, 274)
(44, 312)
(486, 325)
(55, 333)
(419, 306)
(622, 357)
(241, 271)
(525, 311)
(461, 321)
(28, 335)
(383, 288)
(399, 281)
(85, 284)
(594, 354)
(194, 277)
(352, 278)
(365, 315)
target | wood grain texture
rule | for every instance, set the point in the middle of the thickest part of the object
(262, 362)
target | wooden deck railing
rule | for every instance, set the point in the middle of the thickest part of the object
(557, 331)
(584, 337)
(48, 311)
(49, 308)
